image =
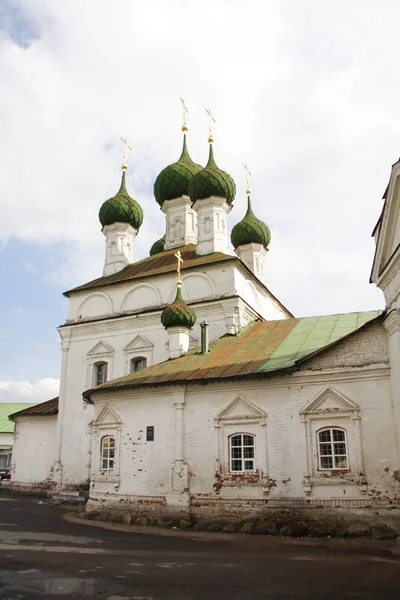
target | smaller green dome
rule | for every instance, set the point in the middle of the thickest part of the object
(158, 246)
(173, 181)
(178, 314)
(121, 209)
(250, 230)
(212, 181)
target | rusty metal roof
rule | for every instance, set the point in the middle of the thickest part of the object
(159, 264)
(262, 349)
(50, 407)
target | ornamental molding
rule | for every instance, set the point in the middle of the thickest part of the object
(212, 201)
(176, 203)
(119, 227)
(138, 343)
(108, 416)
(241, 410)
(101, 349)
(392, 322)
(335, 404)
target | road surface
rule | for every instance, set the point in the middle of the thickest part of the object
(43, 555)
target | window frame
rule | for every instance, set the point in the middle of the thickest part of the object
(242, 446)
(96, 366)
(137, 359)
(108, 458)
(332, 442)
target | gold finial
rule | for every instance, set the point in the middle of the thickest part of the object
(212, 119)
(180, 260)
(184, 113)
(127, 145)
(248, 179)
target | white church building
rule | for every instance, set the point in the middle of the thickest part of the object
(189, 391)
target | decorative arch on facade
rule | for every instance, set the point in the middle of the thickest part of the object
(142, 295)
(95, 305)
(250, 295)
(195, 286)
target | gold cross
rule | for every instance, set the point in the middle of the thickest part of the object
(180, 260)
(127, 145)
(212, 119)
(184, 113)
(248, 179)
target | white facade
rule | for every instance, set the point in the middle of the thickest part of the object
(185, 471)
(33, 452)
(118, 323)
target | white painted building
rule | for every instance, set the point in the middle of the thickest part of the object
(280, 413)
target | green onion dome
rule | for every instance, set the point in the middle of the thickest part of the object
(212, 181)
(250, 230)
(178, 314)
(173, 181)
(158, 246)
(121, 209)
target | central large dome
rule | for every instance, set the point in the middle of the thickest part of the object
(173, 181)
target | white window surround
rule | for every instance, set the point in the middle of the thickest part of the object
(101, 352)
(241, 416)
(139, 347)
(332, 410)
(107, 424)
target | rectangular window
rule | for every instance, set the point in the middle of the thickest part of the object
(101, 373)
(150, 433)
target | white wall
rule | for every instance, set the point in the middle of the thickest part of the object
(34, 449)
(283, 413)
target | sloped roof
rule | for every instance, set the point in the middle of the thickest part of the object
(158, 264)
(50, 407)
(6, 409)
(262, 349)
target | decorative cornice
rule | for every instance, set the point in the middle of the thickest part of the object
(176, 203)
(392, 322)
(118, 227)
(212, 201)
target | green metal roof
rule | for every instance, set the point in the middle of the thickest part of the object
(261, 348)
(8, 408)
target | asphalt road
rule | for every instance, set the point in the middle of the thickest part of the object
(44, 554)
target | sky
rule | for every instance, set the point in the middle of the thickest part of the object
(306, 93)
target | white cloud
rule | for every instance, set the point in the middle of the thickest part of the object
(301, 91)
(24, 391)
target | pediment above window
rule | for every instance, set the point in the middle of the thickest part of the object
(138, 343)
(241, 410)
(101, 349)
(107, 416)
(328, 402)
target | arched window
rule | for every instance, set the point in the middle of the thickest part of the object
(332, 449)
(107, 453)
(138, 363)
(100, 373)
(241, 452)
